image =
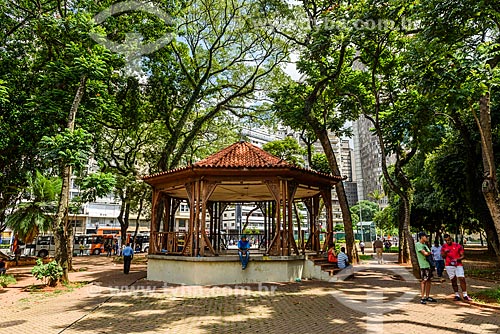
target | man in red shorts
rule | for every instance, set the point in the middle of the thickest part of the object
(453, 255)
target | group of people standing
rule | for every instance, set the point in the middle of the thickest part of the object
(448, 256)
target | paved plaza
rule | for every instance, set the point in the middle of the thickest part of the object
(378, 299)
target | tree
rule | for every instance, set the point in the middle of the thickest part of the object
(287, 149)
(223, 61)
(319, 162)
(326, 57)
(465, 42)
(34, 214)
(368, 210)
(377, 196)
(50, 50)
(384, 91)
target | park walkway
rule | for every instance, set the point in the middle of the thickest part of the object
(376, 300)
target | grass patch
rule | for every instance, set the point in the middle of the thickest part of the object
(489, 296)
(488, 273)
(6, 280)
(43, 291)
(135, 260)
(365, 257)
(74, 285)
(34, 288)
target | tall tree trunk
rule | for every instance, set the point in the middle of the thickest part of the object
(404, 252)
(322, 135)
(62, 233)
(408, 237)
(473, 183)
(139, 213)
(401, 188)
(490, 182)
(123, 217)
(59, 226)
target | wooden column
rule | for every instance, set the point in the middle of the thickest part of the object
(274, 246)
(197, 199)
(207, 191)
(153, 228)
(284, 207)
(188, 243)
(167, 205)
(312, 205)
(175, 205)
(291, 190)
(211, 228)
(326, 193)
(299, 229)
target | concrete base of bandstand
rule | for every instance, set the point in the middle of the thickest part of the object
(225, 269)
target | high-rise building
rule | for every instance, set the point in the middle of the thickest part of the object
(367, 160)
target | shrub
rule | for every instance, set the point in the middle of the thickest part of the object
(48, 273)
(7, 280)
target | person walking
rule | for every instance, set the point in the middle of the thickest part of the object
(128, 255)
(82, 248)
(243, 251)
(3, 267)
(116, 247)
(438, 258)
(425, 268)
(453, 254)
(17, 254)
(108, 248)
(362, 247)
(378, 245)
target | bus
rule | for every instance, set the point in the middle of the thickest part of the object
(93, 244)
(141, 243)
(108, 230)
(45, 246)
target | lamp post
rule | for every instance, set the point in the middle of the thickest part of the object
(360, 217)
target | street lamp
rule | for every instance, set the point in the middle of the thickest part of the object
(360, 217)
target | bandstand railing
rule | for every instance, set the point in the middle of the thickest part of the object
(167, 242)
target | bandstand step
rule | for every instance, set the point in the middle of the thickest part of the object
(327, 266)
(322, 262)
(333, 271)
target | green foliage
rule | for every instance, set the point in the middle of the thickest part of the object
(491, 295)
(364, 257)
(219, 65)
(368, 210)
(6, 280)
(4, 93)
(287, 149)
(48, 273)
(338, 227)
(96, 185)
(319, 162)
(34, 214)
(69, 148)
(249, 231)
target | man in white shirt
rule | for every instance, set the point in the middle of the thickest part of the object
(438, 258)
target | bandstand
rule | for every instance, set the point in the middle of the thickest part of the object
(240, 173)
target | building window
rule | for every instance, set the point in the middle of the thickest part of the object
(182, 223)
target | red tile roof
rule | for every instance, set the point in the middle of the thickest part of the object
(242, 154)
